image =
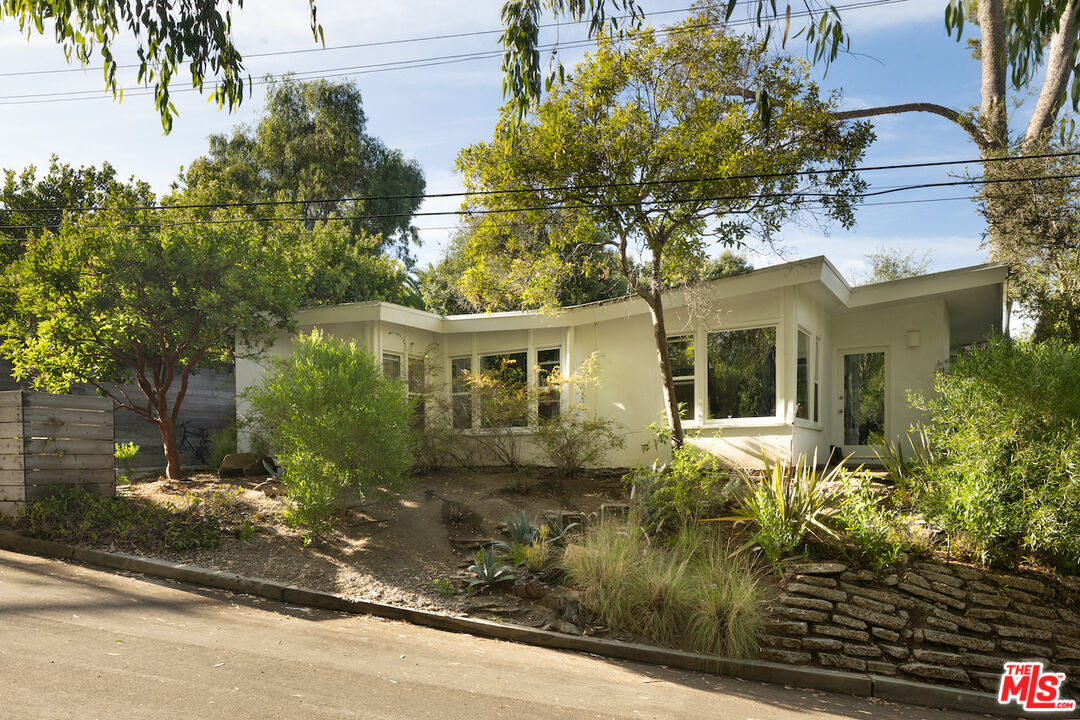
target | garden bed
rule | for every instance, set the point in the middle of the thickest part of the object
(410, 550)
(918, 619)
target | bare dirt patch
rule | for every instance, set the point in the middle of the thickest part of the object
(389, 548)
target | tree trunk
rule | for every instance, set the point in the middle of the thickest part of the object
(167, 429)
(667, 383)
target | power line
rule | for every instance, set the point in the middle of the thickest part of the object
(357, 46)
(596, 186)
(654, 204)
(407, 64)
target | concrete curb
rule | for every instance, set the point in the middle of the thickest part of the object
(848, 683)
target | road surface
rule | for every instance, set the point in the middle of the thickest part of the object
(76, 642)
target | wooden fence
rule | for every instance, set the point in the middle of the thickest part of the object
(209, 404)
(49, 440)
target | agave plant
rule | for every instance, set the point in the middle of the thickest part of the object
(786, 504)
(520, 530)
(489, 568)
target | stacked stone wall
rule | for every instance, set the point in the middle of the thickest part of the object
(943, 623)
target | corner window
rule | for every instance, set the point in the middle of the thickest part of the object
(742, 373)
(548, 395)
(391, 366)
(416, 389)
(802, 376)
(681, 356)
(460, 392)
(817, 375)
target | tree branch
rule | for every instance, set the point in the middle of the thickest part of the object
(966, 123)
(1059, 66)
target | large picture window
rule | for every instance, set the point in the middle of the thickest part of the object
(742, 373)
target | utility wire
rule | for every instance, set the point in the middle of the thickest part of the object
(370, 68)
(595, 186)
(651, 204)
(357, 46)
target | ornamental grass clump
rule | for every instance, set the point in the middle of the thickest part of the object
(693, 593)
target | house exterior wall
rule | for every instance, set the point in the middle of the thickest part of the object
(807, 297)
(909, 367)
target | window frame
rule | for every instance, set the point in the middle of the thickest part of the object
(527, 424)
(386, 354)
(700, 337)
(778, 416)
(550, 397)
(419, 396)
(466, 393)
(692, 416)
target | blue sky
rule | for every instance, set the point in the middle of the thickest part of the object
(900, 54)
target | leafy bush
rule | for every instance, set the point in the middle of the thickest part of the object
(338, 426)
(866, 519)
(74, 515)
(571, 442)
(1006, 431)
(786, 504)
(125, 453)
(667, 496)
(695, 595)
(222, 443)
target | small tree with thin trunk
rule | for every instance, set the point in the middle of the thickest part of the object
(656, 152)
(120, 297)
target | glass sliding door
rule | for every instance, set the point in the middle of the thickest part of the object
(864, 398)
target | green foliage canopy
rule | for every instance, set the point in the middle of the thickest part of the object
(115, 297)
(193, 34)
(311, 144)
(656, 152)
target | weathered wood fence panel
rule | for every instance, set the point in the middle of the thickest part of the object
(210, 404)
(48, 440)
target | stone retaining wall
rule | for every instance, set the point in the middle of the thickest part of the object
(948, 624)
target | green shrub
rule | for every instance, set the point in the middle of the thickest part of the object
(667, 496)
(73, 515)
(787, 503)
(694, 594)
(571, 442)
(865, 517)
(337, 425)
(125, 453)
(1006, 432)
(222, 443)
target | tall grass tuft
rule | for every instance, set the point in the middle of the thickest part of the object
(693, 593)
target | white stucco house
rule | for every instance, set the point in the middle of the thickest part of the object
(789, 358)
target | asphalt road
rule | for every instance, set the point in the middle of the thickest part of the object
(82, 643)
